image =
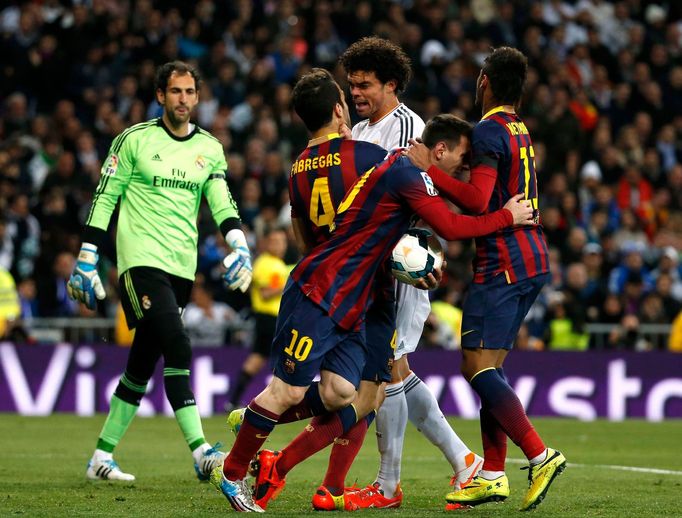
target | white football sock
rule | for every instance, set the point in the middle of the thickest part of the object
(490, 475)
(391, 422)
(426, 415)
(198, 452)
(539, 458)
(102, 455)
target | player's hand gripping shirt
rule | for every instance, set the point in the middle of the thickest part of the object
(338, 275)
(502, 139)
(160, 179)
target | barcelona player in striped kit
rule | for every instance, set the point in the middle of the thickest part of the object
(320, 177)
(321, 321)
(510, 268)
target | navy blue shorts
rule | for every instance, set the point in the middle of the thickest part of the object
(380, 336)
(494, 311)
(308, 341)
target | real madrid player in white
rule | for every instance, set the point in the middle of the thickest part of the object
(377, 71)
(159, 170)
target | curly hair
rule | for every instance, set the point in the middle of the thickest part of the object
(383, 57)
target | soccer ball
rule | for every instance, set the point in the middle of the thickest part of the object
(416, 255)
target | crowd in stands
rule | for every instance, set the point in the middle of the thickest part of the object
(603, 104)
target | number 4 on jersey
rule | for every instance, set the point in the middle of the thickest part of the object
(321, 208)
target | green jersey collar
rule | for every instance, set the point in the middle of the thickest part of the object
(159, 122)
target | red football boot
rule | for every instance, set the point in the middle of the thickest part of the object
(373, 497)
(268, 483)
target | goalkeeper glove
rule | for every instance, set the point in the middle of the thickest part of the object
(84, 284)
(238, 262)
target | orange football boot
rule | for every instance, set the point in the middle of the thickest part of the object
(373, 497)
(268, 483)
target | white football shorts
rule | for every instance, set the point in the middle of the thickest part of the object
(412, 311)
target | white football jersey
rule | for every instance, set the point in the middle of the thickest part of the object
(393, 131)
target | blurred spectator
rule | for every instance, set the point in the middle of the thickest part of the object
(10, 310)
(445, 322)
(24, 230)
(595, 288)
(527, 342)
(27, 299)
(669, 264)
(664, 289)
(438, 333)
(631, 268)
(633, 293)
(563, 333)
(572, 249)
(636, 193)
(6, 246)
(207, 321)
(274, 181)
(630, 233)
(53, 300)
(626, 335)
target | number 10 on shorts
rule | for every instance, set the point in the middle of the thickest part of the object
(299, 348)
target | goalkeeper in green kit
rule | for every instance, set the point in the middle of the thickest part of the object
(159, 169)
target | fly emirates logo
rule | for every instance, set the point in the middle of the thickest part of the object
(176, 181)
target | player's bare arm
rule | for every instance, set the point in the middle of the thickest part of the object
(304, 241)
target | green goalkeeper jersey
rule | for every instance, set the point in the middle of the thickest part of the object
(160, 179)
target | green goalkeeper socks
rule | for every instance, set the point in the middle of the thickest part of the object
(120, 416)
(190, 423)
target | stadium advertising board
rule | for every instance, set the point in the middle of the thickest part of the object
(40, 380)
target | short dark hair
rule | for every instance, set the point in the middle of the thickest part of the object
(383, 57)
(164, 72)
(314, 98)
(445, 128)
(506, 70)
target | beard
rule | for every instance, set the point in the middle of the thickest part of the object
(177, 120)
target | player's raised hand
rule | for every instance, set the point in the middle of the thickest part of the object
(418, 154)
(84, 284)
(521, 210)
(239, 270)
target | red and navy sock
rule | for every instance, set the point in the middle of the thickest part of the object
(498, 398)
(320, 433)
(494, 438)
(257, 425)
(344, 451)
(494, 442)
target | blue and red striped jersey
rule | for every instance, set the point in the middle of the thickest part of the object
(339, 274)
(519, 252)
(320, 178)
(322, 175)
